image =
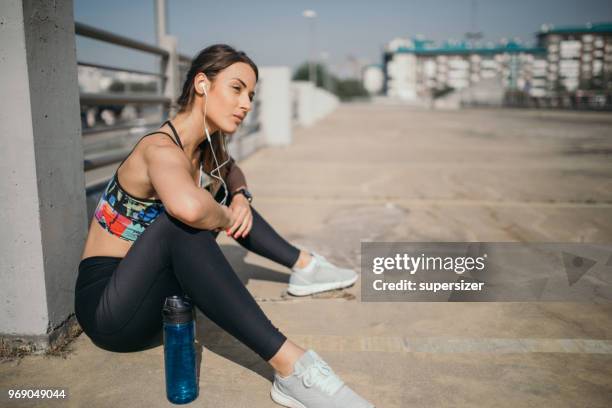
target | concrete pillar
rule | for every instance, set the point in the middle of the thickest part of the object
(313, 103)
(325, 104)
(170, 67)
(42, 188)
(274, 91)
(305, 102)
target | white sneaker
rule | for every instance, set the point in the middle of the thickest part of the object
(314, 384)
(319, 276)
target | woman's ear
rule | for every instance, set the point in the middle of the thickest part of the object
(201, 84)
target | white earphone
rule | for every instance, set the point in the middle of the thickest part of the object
(217, 169)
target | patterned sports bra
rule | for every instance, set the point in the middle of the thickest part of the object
(124, 215)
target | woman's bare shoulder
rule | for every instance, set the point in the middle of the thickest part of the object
(154, 149)
(159, 138)
(155, 143)
(160, 151)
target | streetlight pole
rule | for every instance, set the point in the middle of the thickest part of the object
(169, 83)
(160, 14)
(325, 70)
(312, 71)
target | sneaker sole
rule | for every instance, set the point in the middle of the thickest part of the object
(283, 399)
(303, 290)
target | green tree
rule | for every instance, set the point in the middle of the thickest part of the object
(350, 89)
(325, 79)
(345, 89)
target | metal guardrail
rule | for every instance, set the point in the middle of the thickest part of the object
(114, 128)
(120, 99)
(119, 69)
(96, 188)
(97, 99)
(110, 37)
(107, 36)
(105, 159)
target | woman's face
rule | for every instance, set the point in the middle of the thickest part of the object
(230, 97)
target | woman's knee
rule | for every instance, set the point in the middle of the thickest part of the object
(173, 225)
(166, 231)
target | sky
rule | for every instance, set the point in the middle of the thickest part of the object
(274, 32)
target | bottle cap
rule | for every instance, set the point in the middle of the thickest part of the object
(177, 310)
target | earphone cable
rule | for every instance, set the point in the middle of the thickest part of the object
(217, 169)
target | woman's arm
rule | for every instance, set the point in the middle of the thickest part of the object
(169, 172)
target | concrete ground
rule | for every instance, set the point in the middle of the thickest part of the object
(388, 173)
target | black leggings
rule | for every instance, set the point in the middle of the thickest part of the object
(118, 301)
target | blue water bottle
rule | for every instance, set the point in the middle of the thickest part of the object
(179, 350)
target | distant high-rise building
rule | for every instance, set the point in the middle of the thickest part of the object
(565, 60)
(579, 57)
(418, 68)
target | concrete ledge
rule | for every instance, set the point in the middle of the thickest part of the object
(50, 343)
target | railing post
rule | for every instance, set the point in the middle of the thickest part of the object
(42, 187)
(169, 66)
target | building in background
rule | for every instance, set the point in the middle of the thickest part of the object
(373, 79)
(568, 67)
(420, 68)
(578, 58)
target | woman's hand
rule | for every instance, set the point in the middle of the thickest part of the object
(229, 216)
(244, 217)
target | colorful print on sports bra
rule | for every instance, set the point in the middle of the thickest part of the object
(123, 215)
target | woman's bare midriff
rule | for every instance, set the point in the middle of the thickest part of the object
(102, 243)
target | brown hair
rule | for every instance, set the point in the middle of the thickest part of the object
(211, 61)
